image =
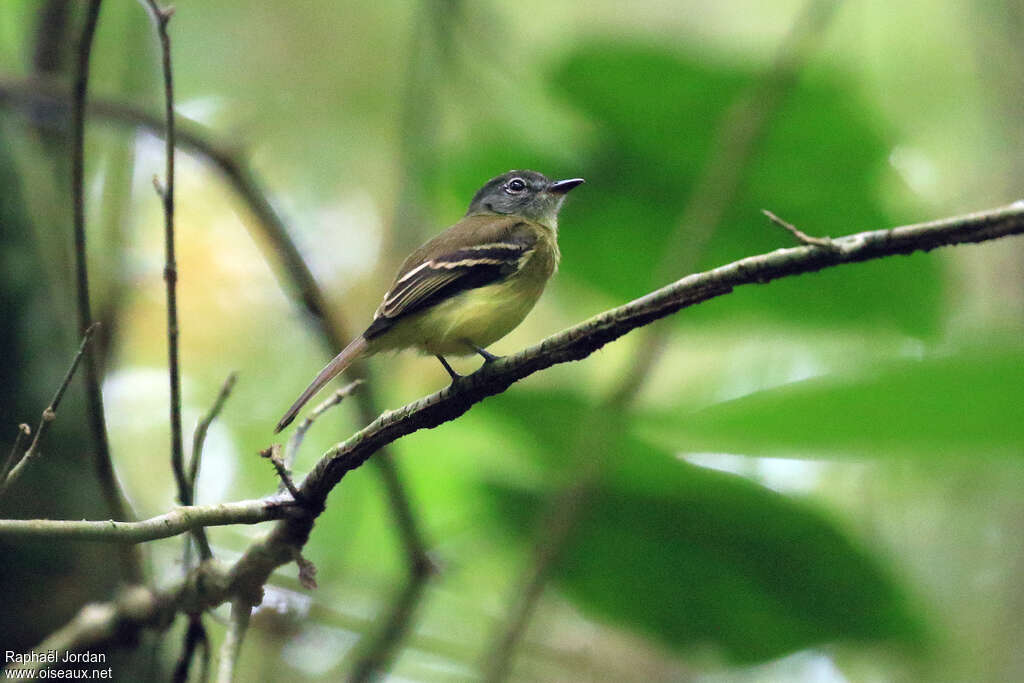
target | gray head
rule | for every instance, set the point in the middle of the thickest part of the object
(524, 193)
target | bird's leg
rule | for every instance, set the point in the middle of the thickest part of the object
(447, 367)
(487, 355)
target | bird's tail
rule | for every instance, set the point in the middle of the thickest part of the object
(330, 371)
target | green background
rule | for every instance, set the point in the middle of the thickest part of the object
(819, 480)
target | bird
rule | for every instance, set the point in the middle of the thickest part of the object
(469, 286)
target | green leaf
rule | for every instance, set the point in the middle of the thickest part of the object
(967, 404)
(818, 166)
(694, 557)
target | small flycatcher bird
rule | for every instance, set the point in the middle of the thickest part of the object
(471, 285)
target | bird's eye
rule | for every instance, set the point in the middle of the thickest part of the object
(516, 185)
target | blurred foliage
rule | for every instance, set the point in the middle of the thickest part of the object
(818, 167)
(372, 125)
(940, 407)
(694, 557)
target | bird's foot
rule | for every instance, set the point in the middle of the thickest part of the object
(485, 354)
(454, 375)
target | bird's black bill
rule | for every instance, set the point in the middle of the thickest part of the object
(563, 186)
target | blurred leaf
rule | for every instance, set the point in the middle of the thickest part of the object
(970, 403)
(691, 556)
(817, 166)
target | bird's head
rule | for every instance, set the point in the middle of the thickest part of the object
(523, 193)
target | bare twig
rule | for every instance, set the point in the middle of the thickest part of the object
(803, 237)
(24, 431)
(177, 521)
(161, 17)
(195, 638)
(198, 439)
(232, 646)
(116, 504)
(300, 431)
(246, 578)
(49, 414)
(273, 454)
(199, 435)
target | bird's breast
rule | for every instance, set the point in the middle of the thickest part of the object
(479, 316)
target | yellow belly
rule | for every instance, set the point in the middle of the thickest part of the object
(476, 317)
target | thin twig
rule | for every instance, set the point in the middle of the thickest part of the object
(24, 431)
(178, 521)
(49, 414)
(273, 454)
(803, 237)
(232, 646)
(300, 431)
(199, 435)
(117, 506)
(198, 439)
(195, 638)
(249, 574)
(165, 190)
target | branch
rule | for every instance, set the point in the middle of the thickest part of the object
(95, 624)
(195, 637)
(198, 439)
(254, 567)
(800, 235)
(273, 454)
(580, 341)
(24, 431)
(177, 521)
(101, 625)
(116, 504)
(49, 415)
(160, 18)
(199, 435)
(295, 442)
(207, 586)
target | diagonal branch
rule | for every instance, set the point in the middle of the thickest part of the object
(24, 431)
(198, 439)
(246, 578)
(49, 415)
(254, 568)
(295, 442)
(580, 341)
